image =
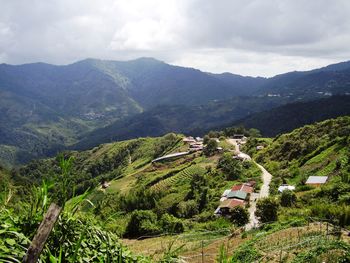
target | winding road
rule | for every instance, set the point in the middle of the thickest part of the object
(264, 190)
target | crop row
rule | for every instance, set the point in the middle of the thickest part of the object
(183, 176)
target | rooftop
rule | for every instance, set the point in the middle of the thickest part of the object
(317, 179)
(169, 156)
(243, 187)
(230, 203)
(283, 187)
(237, 194)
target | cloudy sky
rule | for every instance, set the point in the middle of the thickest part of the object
(249, 37)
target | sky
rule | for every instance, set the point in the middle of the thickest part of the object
(247, 37)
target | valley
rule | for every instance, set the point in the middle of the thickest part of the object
(47, 108)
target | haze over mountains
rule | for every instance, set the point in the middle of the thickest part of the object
(45, 108)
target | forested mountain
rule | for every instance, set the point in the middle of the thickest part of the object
(45, 108)
(288, 117)
(329, 80)
(191, 120)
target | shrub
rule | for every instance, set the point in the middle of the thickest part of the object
(210, 148)
(187, 209)
(142, 222)
(239, 216)
(288, 198)
(339, 214)
(266, 209)
(232, 168)
(171, 224)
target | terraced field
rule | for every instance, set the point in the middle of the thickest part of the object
(179, 178)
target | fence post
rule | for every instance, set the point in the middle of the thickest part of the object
(202, 251)
(281, 255)
(42, 234)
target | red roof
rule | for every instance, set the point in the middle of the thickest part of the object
(236, 187)
(230, 203)
(243, 187)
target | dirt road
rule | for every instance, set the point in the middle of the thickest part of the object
(264, 190)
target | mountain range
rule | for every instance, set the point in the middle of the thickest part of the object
(46, 108)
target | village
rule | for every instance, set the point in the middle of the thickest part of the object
(242, 194)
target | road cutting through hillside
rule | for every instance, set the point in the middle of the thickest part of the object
(264, 190)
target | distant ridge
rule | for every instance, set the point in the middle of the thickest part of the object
(291, 116)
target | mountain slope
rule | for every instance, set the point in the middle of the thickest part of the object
(193, 120)
(288, 117)
(332, 79)
(151, 82)
(45, 107)
(308, 141)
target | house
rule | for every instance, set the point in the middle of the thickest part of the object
(259, 147)
(196, 146)
(238, 195)
(189, 139)
(284, 187)
(224, 195)
(251, 183)
(242, 157)
(246, 187)
(105, 185)
(238, 136)
(199, 139)
(316, 180)
(225, 206)
(196, 149)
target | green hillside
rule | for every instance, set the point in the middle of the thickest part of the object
(320, 149)
(174, 200)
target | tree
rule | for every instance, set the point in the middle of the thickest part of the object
(142, 222)
(232, 168)
(239, 216)
(171, 224)
(206, 139)
(266, 209)
(187, 209)
(288, 198)
(210, 148)
(254, 133)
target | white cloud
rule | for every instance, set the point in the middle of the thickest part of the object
(250, 37)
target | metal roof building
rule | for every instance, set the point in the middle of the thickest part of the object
(317, 180)
(237, 194)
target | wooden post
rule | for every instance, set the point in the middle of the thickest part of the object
(281, 255)
(42, 234)
(202, 252)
